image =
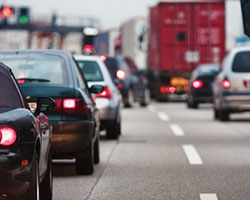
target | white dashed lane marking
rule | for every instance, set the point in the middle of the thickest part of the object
(177, 130)
(208, 197)
(192, 155)
(151, 108)
(163, 116)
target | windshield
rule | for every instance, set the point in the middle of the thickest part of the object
(209, 69)
(31, 68)
(241, 62)
(91, 70)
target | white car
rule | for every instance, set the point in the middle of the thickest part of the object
(231, 88)
(109, 101)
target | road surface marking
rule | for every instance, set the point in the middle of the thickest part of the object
(192, 155)
(208, 197)
(163, 116)
(177, 130)
(151, 108)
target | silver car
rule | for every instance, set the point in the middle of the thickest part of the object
(232, 85)
(109, 101)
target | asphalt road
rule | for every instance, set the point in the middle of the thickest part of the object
(166, 152)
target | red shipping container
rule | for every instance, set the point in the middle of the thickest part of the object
(183, 34)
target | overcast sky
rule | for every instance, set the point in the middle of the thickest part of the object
(110, 12)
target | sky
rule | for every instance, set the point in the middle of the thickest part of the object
(110, 12)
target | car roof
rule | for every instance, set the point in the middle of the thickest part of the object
(86, 57)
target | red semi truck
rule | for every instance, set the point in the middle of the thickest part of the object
(183, 34)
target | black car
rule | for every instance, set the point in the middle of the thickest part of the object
(132, 84)
(75, 119)
(25, 147)
(201, 85)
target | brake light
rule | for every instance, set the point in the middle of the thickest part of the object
(164, 89)
(88, 48)
(120, 74)
(105, 93)
(245, 83)
(103, 58)
(197, 84)
(71, 106)
(8, 136)
(171, 90)
(226, 84)
(20, 76)
(120, 86)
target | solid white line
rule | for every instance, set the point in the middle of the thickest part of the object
(192, 155)
(208, 197)
(163, 116)
(177, 130)
(151, 108)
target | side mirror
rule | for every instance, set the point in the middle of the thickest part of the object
(96, 89)
(45, 104)
(245, 7)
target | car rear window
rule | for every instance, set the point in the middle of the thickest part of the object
(209, 70)
(112, 66)
(33, 68)
(241, 62)
(91, 70)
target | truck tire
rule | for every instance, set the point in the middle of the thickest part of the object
(47, 183)
(84, 161)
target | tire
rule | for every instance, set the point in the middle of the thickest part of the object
(84, 161)
(216, 114)
(33, 192)
(97, 150)
(146, 98)
(223, 115)
(129, 101)
(47, 183)
(114, 129)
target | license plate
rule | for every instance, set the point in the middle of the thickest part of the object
(32, 106)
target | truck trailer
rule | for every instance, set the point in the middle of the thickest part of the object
(183, 34)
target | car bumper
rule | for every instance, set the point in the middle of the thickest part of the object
(107, 108)
(72, 137)
(233, 102)
(15, 178)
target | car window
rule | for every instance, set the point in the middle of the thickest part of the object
(241, 62)
(37, 68)
(209, 70)
(91, 70)
(10, 97)
(112, 66)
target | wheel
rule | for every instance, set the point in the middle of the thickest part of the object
(114, 129)
(192, 103)
(84, 161)
(47, 183)
(96, 150)
(33, 192)
(223, 115)
(129, 100)
(216, 114)
(146, 98)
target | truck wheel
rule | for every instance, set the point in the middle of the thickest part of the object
(33, 192)
(223, 115)
(84, 161)
(47, 184)
(97, 150)
(146, 98)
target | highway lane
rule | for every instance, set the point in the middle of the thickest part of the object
(167, 151)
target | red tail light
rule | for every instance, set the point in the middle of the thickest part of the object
(103, 58)
(163, 89)
(120, 86)
(105, 93)
(8, 136)
(120, 74)
(88, 48)
(245, 83)
(226, 84)
(197, 84)
(71, 106)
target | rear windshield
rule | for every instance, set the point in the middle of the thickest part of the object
(112, 66)
(241, 62)
(91, 70)
(34, 68)
(209, 70)
(9, 94)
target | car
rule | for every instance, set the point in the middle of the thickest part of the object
(201, 84)
(75, 119)
(25, 143)
(109, 101)
(231, 89)
(132, 84)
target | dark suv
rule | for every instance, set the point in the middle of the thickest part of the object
(132, 84)
(75, 119)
